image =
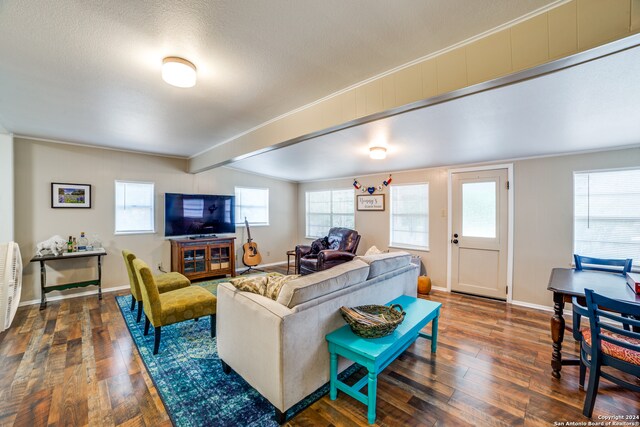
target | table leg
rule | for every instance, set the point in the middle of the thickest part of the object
(371, 394)
(333, 376)
(43, 282)
(434, 333)
(557, 333)
(99, 277)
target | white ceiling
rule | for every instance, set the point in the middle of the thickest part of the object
(89, 71)
(591, 106)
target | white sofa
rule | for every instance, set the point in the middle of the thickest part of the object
(279, 347)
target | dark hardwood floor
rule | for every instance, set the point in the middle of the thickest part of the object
(75, 364)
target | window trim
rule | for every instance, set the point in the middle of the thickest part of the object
(306, 210)
(407, 246)
(115, 208)
(251, 224)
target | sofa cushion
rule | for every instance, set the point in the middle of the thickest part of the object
(383, 263)
(321, 283)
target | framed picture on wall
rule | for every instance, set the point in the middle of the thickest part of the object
(70, 195)
(371, 202)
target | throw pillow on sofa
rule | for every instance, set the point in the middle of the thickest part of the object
(268, 286)
(256, 285)
(275, 283)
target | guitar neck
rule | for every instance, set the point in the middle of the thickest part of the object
(248, 230)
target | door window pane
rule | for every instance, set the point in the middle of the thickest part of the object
(479, 209)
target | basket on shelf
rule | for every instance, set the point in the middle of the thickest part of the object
(373, 321)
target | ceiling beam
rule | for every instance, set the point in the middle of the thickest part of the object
(525, 50)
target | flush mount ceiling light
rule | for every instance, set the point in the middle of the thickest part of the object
(178, 72)
(378, 153)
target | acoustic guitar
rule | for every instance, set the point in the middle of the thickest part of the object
(251, 256)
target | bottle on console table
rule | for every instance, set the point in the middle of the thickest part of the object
(83, 242)
(75, 245)
(70, 244)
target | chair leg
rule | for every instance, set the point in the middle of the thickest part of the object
(225, 368)
(213, 325)
(577, 335)
(133, 303)
(196, 319)
(146, 325)
(156, 342)
(583, 373)
(592, 390)
(139, 311)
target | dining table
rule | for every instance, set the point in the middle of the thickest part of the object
(566, 283)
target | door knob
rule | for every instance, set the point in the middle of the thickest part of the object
(455, 235)
(454, 241)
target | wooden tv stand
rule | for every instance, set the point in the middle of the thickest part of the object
(203, 257)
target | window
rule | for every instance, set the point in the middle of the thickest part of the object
(134, 207)
(607, 214)
(252, 203)
(410, 216)
(327, 209)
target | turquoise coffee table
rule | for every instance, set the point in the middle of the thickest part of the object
(376, 354)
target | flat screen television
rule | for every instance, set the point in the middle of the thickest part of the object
(198, 214)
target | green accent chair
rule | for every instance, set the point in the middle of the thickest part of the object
(166, 282)
(174, 306)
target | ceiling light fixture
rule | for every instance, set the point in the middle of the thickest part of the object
(178, 72)
(378, 153)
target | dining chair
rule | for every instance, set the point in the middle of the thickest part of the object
(616, 266)
(614, 343)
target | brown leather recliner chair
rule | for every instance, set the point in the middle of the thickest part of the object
(343, 243)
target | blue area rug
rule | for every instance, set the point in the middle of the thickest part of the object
(189, 378)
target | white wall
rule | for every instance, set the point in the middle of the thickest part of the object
(543, 216)
(38, 164)
(6, 188)
(373, 226)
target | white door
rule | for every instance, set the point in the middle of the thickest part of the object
(479, 238)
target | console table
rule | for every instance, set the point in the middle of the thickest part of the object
(376, 354)
(74, 255)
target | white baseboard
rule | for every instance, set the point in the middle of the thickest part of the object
(539, 307)
(439, 288)
(80, 294)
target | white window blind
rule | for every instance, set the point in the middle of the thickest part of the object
(252, 203)
(410, 216)
(607, 214)
(327, 209)
(134, 207)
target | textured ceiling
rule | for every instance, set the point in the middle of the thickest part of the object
(592, 106)
(89, 71)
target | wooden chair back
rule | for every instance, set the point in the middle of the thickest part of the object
(621, 334)
(622, 266)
